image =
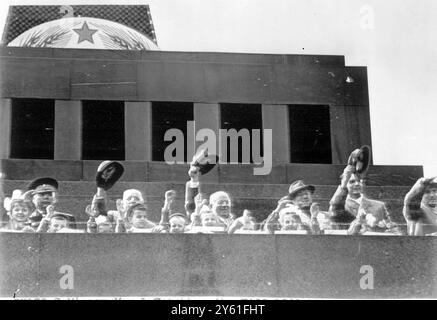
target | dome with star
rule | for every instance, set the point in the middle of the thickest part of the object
(83, 33)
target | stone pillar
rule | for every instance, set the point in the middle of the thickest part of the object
(68, 130)
(275, 117)
(207, 116)
(5, 128)
(138, 131)
(350, 129)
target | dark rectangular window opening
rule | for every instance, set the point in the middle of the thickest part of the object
(241, 116)
(32, 128)
(165, 116)
(102, 130)
(310, 134)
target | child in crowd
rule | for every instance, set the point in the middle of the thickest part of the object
(210, 222)
(135, 220)
(103, 220)
(172, 223)
(209, 219)
(204, 219)
(56, 221)
(99, 203)
(271, 223)
(369, 222)
(19, 208)
(178, 223)
(246, 222)
(292, 221)
(130, 197)
(101, 224)
(286, 216)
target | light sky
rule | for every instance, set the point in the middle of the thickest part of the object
(396, 40)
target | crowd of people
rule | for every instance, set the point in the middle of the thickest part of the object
(350, 211)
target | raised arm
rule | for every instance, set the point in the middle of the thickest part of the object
(240, 222)
(169, 198)
(44, 225)
(120, 226)
(411, 210)
(195, 216)
(412, 201)
(271, 224)
(191, 190)
(314, 224)
(337, 203)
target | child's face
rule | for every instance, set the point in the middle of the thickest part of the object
(20, 212)
(355, 185)
(430, 196)
(139, 219)
(249, 220)
(105, 227)
(289, 222)
(177, 225)
(57, 224)
(222, 207)
(249, 225)
(209, 219)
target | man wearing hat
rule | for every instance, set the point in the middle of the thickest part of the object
(44, 193)
(420, 207)
(299, 201)
(351, 209)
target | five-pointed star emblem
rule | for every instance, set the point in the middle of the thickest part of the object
(85, 33)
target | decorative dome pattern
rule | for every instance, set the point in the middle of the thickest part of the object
(83, 33)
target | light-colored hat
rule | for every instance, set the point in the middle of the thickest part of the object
(179, 215)
(17, 196)
(298, 186)
(103, 219)
(133, 192)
